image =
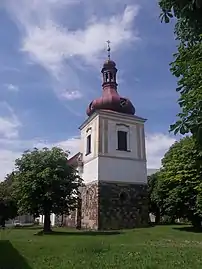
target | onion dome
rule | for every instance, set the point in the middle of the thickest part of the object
(110, 99)
(109, 63)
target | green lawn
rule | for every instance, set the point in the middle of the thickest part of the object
(163, 247)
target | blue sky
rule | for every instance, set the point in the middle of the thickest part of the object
(51, 55)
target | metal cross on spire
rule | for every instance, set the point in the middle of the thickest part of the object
(108, 49)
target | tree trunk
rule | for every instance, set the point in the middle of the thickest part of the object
(2, 222)
(196, 222)
(172, 221)
(157, 217)
(47, 223)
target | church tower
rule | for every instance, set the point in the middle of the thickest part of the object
(114, 160)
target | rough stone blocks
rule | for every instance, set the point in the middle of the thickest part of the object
(111, 206)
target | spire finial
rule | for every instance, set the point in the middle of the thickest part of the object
(108, 49)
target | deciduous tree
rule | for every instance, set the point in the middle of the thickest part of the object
(46, 184)
(187, 64)
(154, 200)
(179, 187)
(8, 205)
(188, 16)
(187, 67)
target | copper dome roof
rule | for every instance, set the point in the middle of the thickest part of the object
(109, 63)
(110, 99)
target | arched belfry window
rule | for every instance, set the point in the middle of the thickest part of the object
(88, 141)
(123, 137)
(109, 76)
(122, 140)
(112, 77)
(106, 77)
(88, 144)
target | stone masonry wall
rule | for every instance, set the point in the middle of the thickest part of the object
(122, 205)
(107, 205)
(89, 207)
(70, 220)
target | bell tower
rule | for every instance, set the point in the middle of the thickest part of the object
(109, 71)
(114, 160)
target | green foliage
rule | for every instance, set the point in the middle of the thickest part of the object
(8, 206)
(45, 183)
(188, 15)
(188, 68)
(178, 189)
(161, 247)
(154, 203)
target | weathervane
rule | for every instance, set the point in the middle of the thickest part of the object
(108, 49)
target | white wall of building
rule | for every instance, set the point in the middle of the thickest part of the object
(52, 219)
(90, 129)
(90, 171)
(122, 170)
(107, 163)
(90, 168)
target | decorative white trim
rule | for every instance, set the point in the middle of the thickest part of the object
(89, 130)
(113, 115)
(114, 157)
(124, 182)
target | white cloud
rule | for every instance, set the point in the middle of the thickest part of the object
(72, 95)
(7, 160)
(12, 87)
(9, 131)
(157, 145)
(86, 43)
(10, 123)
(15, 147)
(8, 127)
(60, 48)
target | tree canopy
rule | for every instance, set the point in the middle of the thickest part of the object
(178, 188)
(45, 183)
(189, 18)
(8, 205)
(153, 196)
(188, 68)
(187, 64)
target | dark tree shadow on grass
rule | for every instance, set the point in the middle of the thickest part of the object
(28, 228)
(188, 229)
(80, 233)
(10, 258)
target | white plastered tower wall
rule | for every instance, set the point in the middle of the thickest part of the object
(109, 173)
(90, 161)
(105, 162)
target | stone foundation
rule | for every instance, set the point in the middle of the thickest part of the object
(122, 205)
(108, 205)
(89, 206)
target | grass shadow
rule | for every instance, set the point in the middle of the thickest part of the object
(10, 258)
(172, 224)
(80, 233)
(188, 229)
(28, 228)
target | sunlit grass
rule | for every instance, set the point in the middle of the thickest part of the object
(163, 247)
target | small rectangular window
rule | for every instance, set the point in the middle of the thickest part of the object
(88, 145)
(122, 140)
